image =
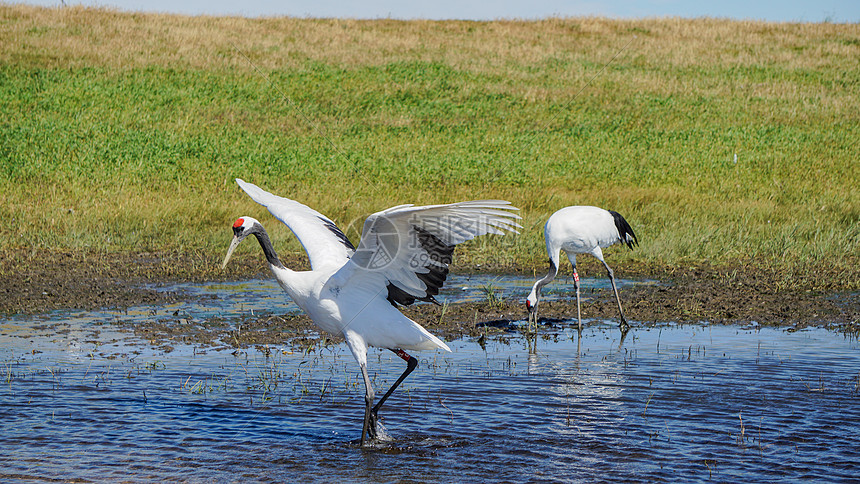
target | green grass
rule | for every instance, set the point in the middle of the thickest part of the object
(123, 132)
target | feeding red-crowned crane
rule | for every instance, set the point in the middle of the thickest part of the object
(403, 256)
(581, 230)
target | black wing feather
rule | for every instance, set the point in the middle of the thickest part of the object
(338, 233)
(624, 230)
(436, 275)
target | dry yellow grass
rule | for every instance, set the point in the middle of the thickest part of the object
(75, 37)
(79, 36)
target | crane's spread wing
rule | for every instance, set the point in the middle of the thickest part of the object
(323, 241)
(407, 249)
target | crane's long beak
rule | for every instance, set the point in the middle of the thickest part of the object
(233, 245)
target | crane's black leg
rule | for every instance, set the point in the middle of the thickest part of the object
(411, 364)
(624, 325)
(371, 411)
(578, 309)
(369, 426)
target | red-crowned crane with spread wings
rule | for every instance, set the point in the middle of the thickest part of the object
(403, 256)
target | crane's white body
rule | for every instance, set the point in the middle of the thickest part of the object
(580, 230)
(403, 256)
(357, 311)
(345, 294)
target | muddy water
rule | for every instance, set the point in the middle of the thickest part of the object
(83, 399)
(262, 296)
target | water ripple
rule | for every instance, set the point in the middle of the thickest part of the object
(668, 403)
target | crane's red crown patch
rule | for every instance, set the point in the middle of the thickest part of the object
(238, 223)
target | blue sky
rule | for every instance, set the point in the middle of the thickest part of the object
(779, 11)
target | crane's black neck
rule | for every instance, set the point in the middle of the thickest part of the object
(266, 244)
(553, 270)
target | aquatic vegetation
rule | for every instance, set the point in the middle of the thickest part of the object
(490, 291)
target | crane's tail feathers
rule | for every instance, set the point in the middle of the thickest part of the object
(432, 342)
(625, 232)
(441, 344)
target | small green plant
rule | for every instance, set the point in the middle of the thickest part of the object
(490, 291)
(205, 385)
(443, 310)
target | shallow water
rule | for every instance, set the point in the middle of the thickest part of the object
(82, 399)
(265, 296)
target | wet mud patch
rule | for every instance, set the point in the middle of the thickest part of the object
(38, 282)
(691, 295)
(645, 306)
(295, 330)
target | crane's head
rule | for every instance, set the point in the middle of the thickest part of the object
(531, 306)
(531, 303)
(242, 227)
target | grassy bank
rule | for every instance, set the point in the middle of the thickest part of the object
(721, 142)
